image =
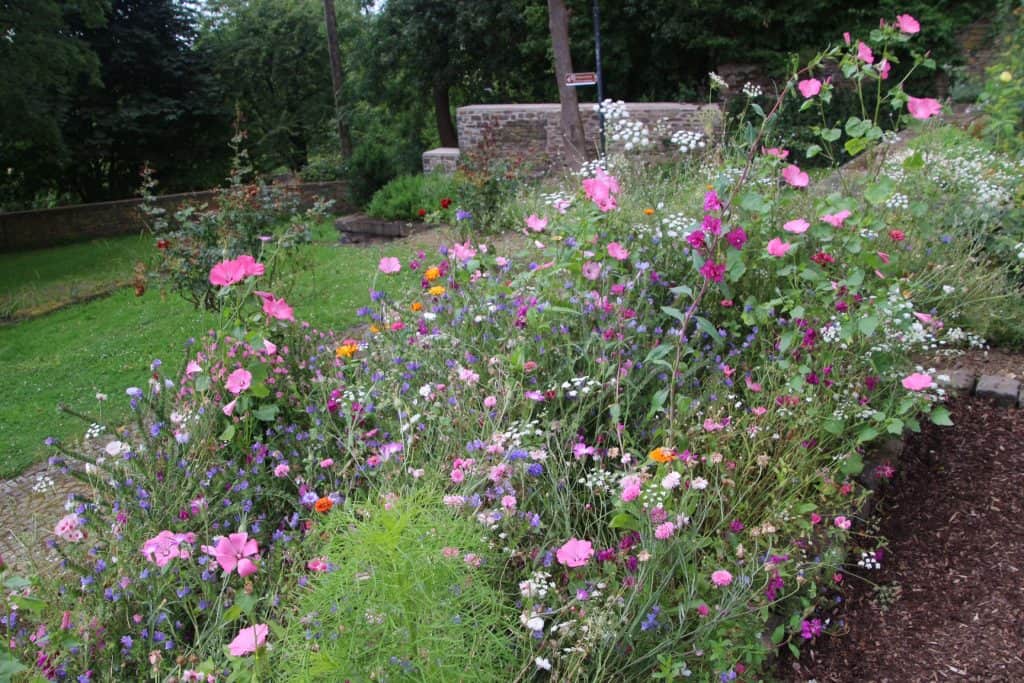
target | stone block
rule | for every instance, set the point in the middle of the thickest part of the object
(960, 381)
(444, 159)
(363, 225)
(1003, 390)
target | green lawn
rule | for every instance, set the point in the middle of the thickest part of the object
(106, 345)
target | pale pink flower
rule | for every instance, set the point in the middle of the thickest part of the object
(234, 550)
(229, 408)
(752, 385)
(463, 252)
(69, 528)
(600, 189)
(907, 24)
(508, 502)
(389, 265)
(884, 67)
(923, 107)
(282, 470)
(797, 226)
(490, 402)
(846, 37)
(864, 53)
(671, 481)
(842, 522)
(317, 564)
(778, 153)
(591, 270)
(664, 531)
(809, 87)
(249, 640)
(918, 381)
(457, 476)
(575, 553)
(501, 261)
(326, 462)
(536, 223)
(274, 307)
(617, 251)
(630, 493)
(777, 247)
(166, 546)
(269, 347)
(192, 368)
(795, 177)
(929, 320)
(721, 577)
(239, 381)
(836, 219)
(883, 256)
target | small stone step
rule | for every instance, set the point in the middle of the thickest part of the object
(1003, 390)
(361, 224)
(960, 381)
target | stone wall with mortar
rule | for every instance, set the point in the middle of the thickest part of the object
(533, 131)
(67, 224)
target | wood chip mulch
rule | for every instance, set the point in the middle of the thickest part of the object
(954, 521)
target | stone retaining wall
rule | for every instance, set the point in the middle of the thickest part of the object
(534, 132)
(66, 224)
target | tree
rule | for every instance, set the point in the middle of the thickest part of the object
(331, 23)
(572, 126)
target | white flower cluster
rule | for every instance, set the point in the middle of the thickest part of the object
(988, 178)
(687, 140)
(752, 90)
(557, 200)
(717, 82)
(579, 386)
(868, 560)
(630, 133)
(599, 481)
(43, 483)
(589, 169)
(94, 430)
(898, 202)
(537, 586)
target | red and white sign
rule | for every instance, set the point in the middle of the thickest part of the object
(575, 80)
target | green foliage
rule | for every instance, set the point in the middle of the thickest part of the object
(405, 597)
(1003, 95)
(404, 197)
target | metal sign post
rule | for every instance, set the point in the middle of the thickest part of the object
(600, 77)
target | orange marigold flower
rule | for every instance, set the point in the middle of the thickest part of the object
(661, 454)
(648, 211)
(374, 329)
(417, 306)
(436, 290)
(432, 273)
(323, 505)
(347, 349)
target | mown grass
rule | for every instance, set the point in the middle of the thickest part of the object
(106, 345)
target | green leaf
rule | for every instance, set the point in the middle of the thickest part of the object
(704, 325)
(615, 410)
(813, 151)
(624, 520)
(16, 583)
(831, 135)
(757, 109)
(673, 312)
(833, 426)
(940, 416)
(33, 605)
(658, 401)
(233, 613)
(259, 390)
(879, 191)
(779, 633)
(874, 133)
(202, 382)
(894, 426)
(855, 146)
(228, 434)
(682, 290)
(266, 412)
(856, 127)
(853, 465)
(752, 201)
(9, 667)
(867, 325)
(867, 434)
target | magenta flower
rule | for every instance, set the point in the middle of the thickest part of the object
(721, 577)
(227, 273)
(317, 564)
(536, 223)
(842, 522)
(836, 219)
(923, 107)
(713, 271)
(389, 265)
(575, 553)
(864, 53)
(234, 550)
(846, 37)
(249, 640)
(696, 239)
(712, 202)
(166, 546)
(809, 87)
(239, 381)
(907, 24)
(591, 270)
(617, 251)
(795, 177)
(664, 531)
(918, 382)
(797, 226)
(777, 247)
(737, 237)
(250, 267)
(274, 307)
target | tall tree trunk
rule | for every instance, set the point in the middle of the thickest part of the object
(443, 115)
(344, 137)
(572, 125)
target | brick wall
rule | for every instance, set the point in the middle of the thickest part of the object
(66, 224)
(533, 131)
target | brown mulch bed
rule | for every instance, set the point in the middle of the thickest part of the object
(980, 362)
(954, 521)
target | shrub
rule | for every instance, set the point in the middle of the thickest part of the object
(405, 197)
(1003, 95)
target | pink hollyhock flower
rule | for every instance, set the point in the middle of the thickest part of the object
(797, 226)
(884, 67)
(836, 219)
(795, 177)
(777, 152)
(250, 266)
(234, 550)
(575, 553)
(711, 224)
(600, 189)
(864, 53)
(389, 265)
(166, 546)
(227, 273)
(712, 202)
(713, 271)
(721, 577)
(918, 381)
(249, 640)
(317, 564)
(276, 308)
(617, 251)
(842, 522)
(591, 270)
(239, 381)
(664, 531)
(907, 24)
(923, 107)
(777, 247)
(809, 87)
(536, 223)
(463, 252)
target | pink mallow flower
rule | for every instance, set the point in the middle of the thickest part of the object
(864, 53)
(796, 226)
(239, 381)
(907, 24)
(234, 550)
(249, 640)
(809, 87)
(721, 577)
(166, 546)
(918, 382)
(617, 251)
(842, 522)
(923, 107)
(600, 189)
(235, 270)
(836, 219)
(317, 564)
(276, 308)
(575, 553)
(463, 252)
(777, 247)
(795, 177)
(389, 265)
(778, 153)
(536, 223)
